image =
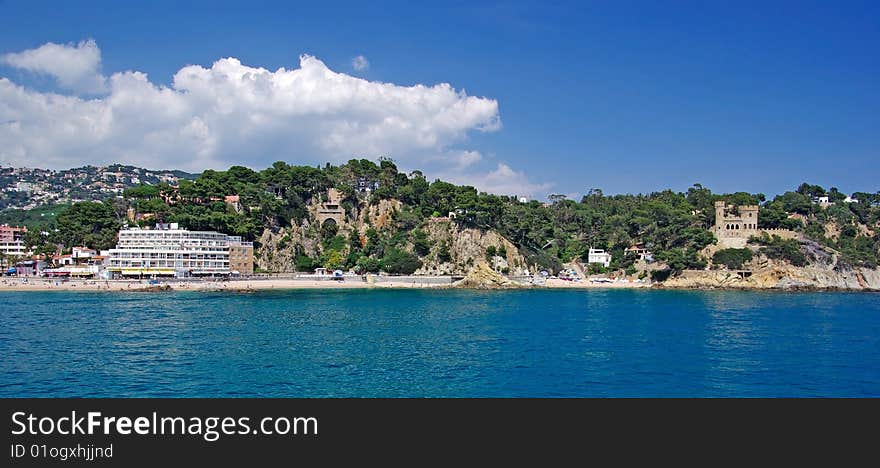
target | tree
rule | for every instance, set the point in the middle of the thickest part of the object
(421, 244)
(367, 265)
(333, 260)
(400, 262)
(90, 224)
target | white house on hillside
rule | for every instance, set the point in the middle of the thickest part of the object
(599, 256)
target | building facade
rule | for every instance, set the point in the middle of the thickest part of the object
(734, 225)
(330, 211)
(241, 256)
(599, 256)
(170, 251)
(12, 240)
(735, 221)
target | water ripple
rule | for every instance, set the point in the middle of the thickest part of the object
(440, 343)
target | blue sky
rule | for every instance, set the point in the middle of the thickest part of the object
(624, 96)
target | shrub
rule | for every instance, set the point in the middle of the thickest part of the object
(661, 275)
(284, 242)
(443, 254)
(304, 263)
(733, 259)
(778, 248)
(491, 251)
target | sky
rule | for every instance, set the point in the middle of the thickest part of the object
(512, 97)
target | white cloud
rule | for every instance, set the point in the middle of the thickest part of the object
(466, 158)
(76, 67)
(503, 180)
(360, 63)
(231, 113)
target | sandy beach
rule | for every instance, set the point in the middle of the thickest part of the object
(255, 284)
(43, 284)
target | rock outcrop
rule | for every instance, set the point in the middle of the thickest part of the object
(482, 276)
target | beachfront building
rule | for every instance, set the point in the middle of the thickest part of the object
(599, 256)
(168, 250)
(29, 268)
(12, 241)
(81, 262)
(241, 256)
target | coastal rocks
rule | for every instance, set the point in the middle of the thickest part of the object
(484, 277)
(457, 250)
(779, 276)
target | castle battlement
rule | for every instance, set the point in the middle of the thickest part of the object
(735, 221)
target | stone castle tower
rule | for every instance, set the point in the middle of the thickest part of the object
(735, 221)
(735, 224)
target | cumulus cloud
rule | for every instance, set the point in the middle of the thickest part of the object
(360, 63)
(503, 180)
(231, 113)
(76, 67)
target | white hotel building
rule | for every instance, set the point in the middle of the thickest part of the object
(170, 251)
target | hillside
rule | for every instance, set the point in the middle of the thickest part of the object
(26, 188)
(371, 217)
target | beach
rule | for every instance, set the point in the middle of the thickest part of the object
(263, 283)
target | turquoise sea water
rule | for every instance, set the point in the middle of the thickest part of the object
(412, 343)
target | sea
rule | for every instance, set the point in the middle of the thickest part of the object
(440, 343)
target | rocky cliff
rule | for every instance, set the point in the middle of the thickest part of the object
(278, 250)
(454, 250)
(467, 248)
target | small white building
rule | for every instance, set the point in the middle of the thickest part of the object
(82, 252)
(850, 199)
(599, 256)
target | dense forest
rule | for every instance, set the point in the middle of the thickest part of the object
(674, 225)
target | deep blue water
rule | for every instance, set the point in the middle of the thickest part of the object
(395, 343)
